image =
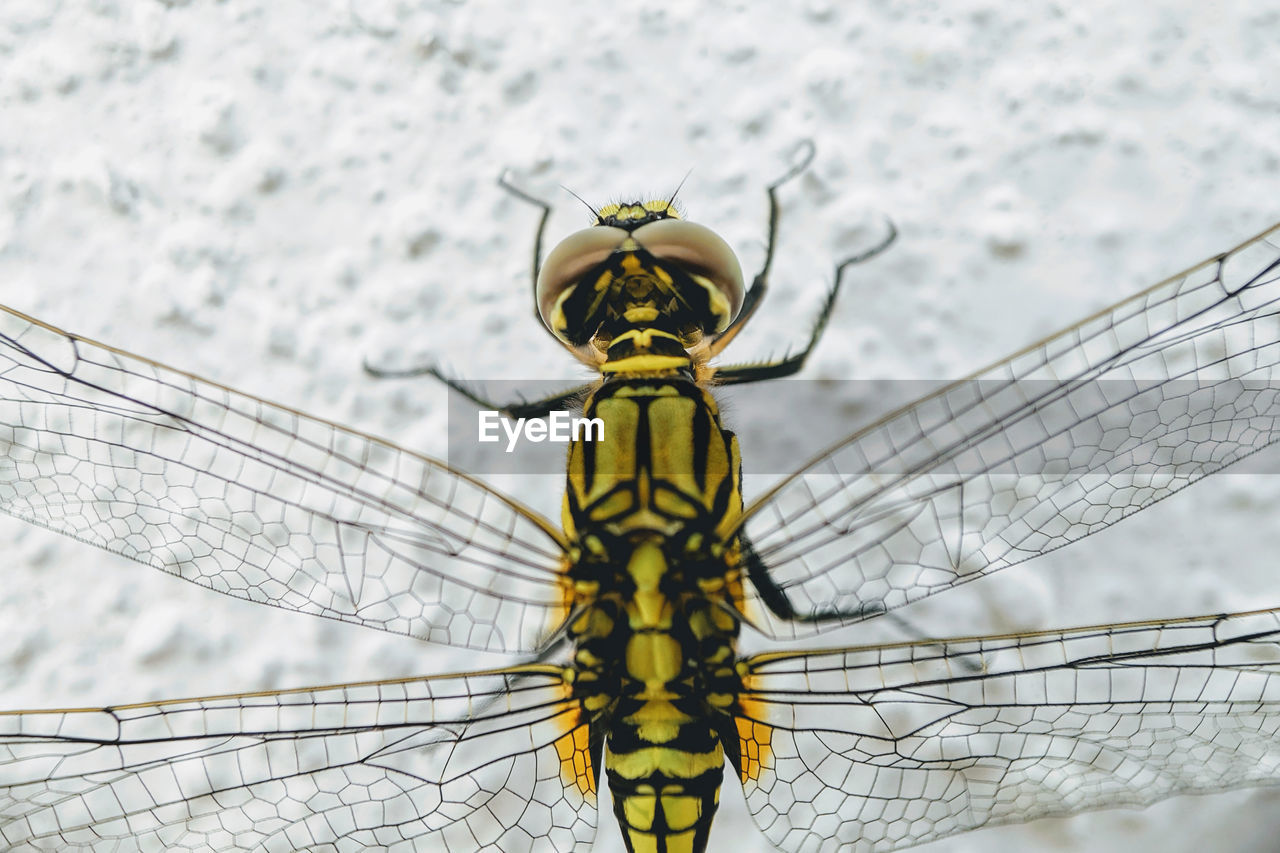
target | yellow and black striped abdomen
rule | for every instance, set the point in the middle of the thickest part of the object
(650, 506)
(664, 755)
(665, 797)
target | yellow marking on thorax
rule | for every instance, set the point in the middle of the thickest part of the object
(642, 339)
(730, 467)
(623, 495)
(671, 447)
(642, 360)
(645, 363)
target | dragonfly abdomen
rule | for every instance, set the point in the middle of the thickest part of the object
(650, 505)
(651, 673)
(666, 797)
(664, 756)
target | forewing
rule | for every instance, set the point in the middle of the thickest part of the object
(1057, 442)
(492, 761)
(879, 748)
(264, 503)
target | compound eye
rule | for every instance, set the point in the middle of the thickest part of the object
(700, 251)
(574, 257)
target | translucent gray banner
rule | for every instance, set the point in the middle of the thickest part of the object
(896, 428)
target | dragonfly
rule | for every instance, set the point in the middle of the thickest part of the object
(629, 610)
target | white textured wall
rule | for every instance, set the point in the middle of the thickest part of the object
(265, 191)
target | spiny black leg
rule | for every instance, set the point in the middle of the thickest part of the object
(774, 598)
(808, 150)
(737, 374)
(545, 207)
(402, 372)
(520, 408)
(539, 408)
(760, 284)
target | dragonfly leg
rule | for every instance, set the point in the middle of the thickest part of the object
(519, 408)
(775, 598)
(760, 284)
(539, 408)
(539, 234)
(737, 374)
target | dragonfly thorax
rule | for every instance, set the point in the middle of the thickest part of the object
(646, 351)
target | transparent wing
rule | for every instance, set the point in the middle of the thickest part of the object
(884, 747)
(1059, 441)
(485, 761)
(264, 503)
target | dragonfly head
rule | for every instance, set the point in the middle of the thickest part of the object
(639, 267)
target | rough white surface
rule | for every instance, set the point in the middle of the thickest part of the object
(264, 193)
